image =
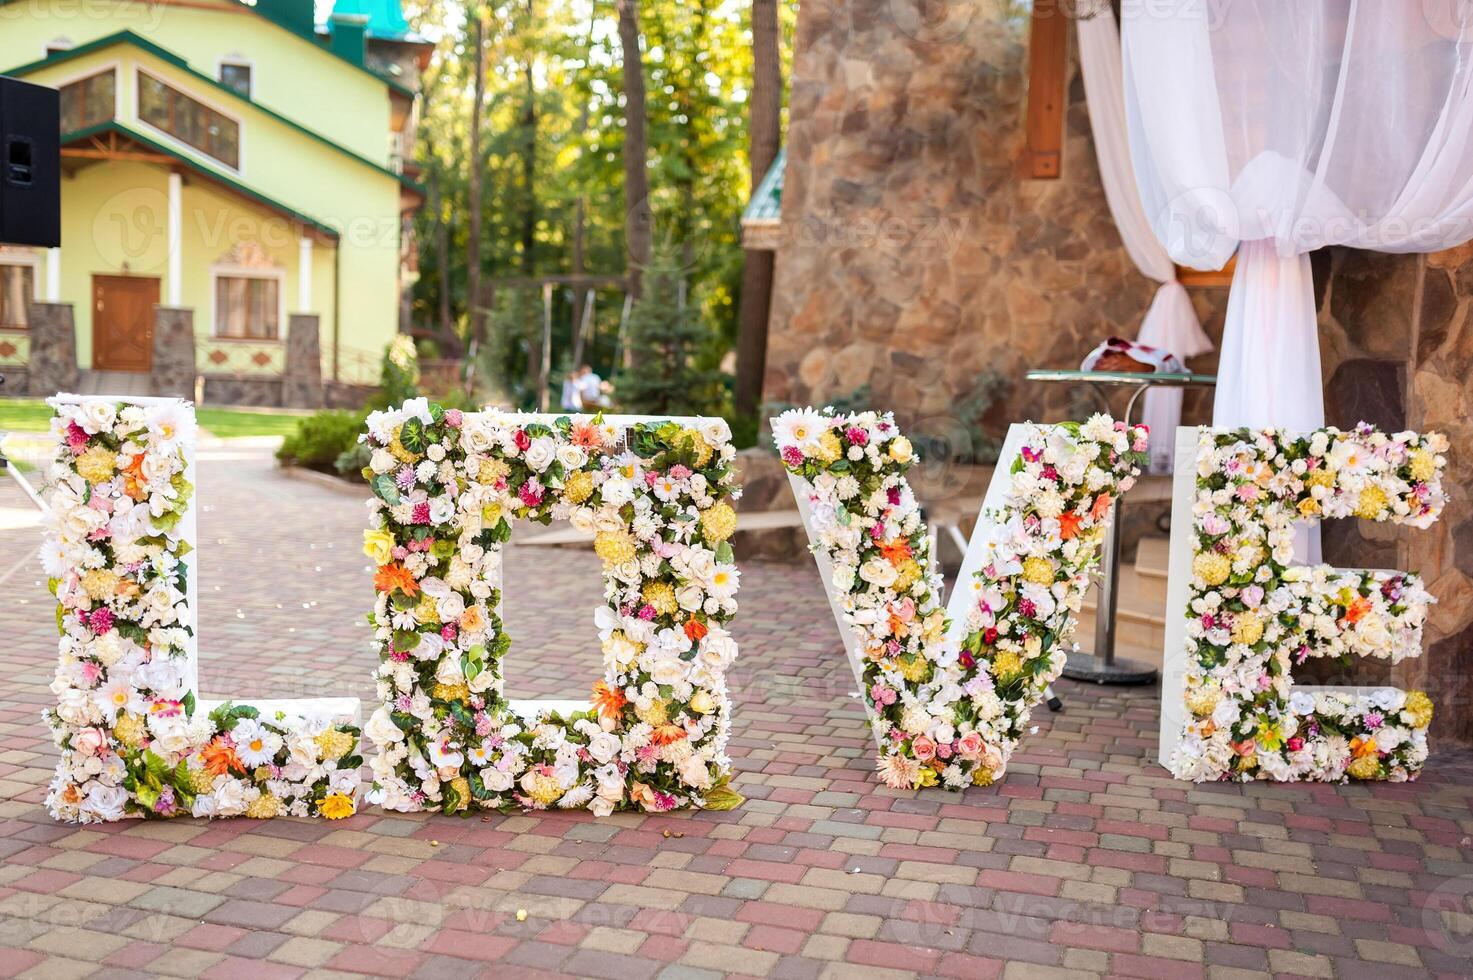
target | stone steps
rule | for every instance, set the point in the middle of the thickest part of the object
(114, 383)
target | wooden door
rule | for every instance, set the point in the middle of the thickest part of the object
(122, 322)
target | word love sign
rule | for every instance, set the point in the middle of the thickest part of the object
(949, 691)
(1243, 615)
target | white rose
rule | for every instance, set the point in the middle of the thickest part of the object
(878, 571)
(668, 670)
(541, 453)
(381, 729)
(497, 780)
(604, 747)
(572, 457)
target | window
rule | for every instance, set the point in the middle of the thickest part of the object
(189, 121)
(236, 76)
(17, 286)
(247, 307)
(88, 101)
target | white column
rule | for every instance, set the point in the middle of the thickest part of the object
(176, 222)
(53, 275)
(304, 274)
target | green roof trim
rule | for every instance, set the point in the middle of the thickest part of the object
(163, 54)
(386, 20)
(114, 126)
(767, 200)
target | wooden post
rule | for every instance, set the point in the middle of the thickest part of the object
(1048, 68)
(545, 370)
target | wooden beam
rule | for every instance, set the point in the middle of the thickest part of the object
(89, 153)
(1048, 71)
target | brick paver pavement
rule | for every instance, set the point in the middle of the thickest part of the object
(1086, 859)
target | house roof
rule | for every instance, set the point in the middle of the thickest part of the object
(163, 54)
(82, 136)
(763, 214)
(386, 20)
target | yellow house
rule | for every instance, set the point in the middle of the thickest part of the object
(233, 175)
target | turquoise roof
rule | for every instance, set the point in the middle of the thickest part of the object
(386, 19)
(767, 199)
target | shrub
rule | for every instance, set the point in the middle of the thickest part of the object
(320, 439)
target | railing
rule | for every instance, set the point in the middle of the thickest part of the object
(352, 365)
(239, 358)
(15, 347)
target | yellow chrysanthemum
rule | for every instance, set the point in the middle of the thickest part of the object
(402, 454)
(1422, 465)
(1419, 706)
(1366, 767)
(656, 714)
(545, 789)
(425, 610)
(1247, 629)
(201, 780)
(578, 487)
(462, 787)
(829, 447)
(1203, 701)
(698, 446)
(491, 470)
(1212, 568)
(614, 547)
(661, 595)
(1372, 502)
(982, 776)
(1039, 571)
(263, 807)
(336, 806)
(97, 464)
(450, 692)
(99, 584)
(334, 744)
(915, 669)
(1007, 666)
(129, 729)
(718, 522)
(1319, 478)
(908, 572)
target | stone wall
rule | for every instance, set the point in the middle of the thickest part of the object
(301, 376)
(53, 361)
(913, 257)
(173, 352)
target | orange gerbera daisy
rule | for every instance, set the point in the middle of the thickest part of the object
(133, 485)
(587, 436)
(1357, 609)
(219, 758)
(395, 576)
(896, 551)
(695, 629)
(1101, 507)
(608, 701)
(666, 734)
(1069, 524)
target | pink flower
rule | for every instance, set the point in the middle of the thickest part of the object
(647, 612)
(76, 437)
(530, 493)
(792, 455)
(101, 620)
(1295, 744)
(856, 435)
(882, 695)
(89, 741)
(924, 747)
(453, 418)
(969, 746)
(522, 440)
(943, 752)
(679, 472)
(421, 513)
(447, 632)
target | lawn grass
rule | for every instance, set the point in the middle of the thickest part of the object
(35, 416)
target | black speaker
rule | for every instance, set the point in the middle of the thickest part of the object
(30, 164)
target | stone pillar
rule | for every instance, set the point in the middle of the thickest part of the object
(301, 377)
(173, 351)
(53, 366)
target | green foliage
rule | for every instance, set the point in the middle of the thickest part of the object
(667, 341)
(320, 439)
(399, 371)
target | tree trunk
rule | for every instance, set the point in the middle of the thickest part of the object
(529, 159)
(766, 134)
(449, 340)
(575, 260)
(638, 219)
(473, 249)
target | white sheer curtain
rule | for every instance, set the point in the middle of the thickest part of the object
(1170, 322)
(1284, 127)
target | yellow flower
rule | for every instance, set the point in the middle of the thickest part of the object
(97, 464)
(402, 454)
(1006, 666)
(379, 545)
(1039, 571)
(702, 702)
(718, 522)
(1202, 701)
(336, 806)
(915, 669)
(982, 776)
(1372, 503)
(614, 547)
(545, 789)
(661, 595)
(100, 584)
(1422, 465)
(450, 692)
(491, 514)
(656, 714)
(334, 743)
(263, 807)
(829, 447)
(1308, 507)
(1211, 567)
(1365, 767)
(697, 444)
(129, 729)
(462, 787)
(1319, 478)
(1419, 706)
(1247, 629)
(491, 470)
(578, 487)
(900, 449)
(201, 780)
(926, 777)
(425, 610)
(908, 572)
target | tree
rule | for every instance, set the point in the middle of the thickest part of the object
(665, 341)
(764, 140)
(638, 219)
(473, 249)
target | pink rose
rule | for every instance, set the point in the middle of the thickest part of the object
(924, 747)
(89, 741)
(969, 746)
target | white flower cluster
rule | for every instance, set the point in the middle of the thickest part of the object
(1252, 616)
(950, 710)
(132, 743)
(656, 497)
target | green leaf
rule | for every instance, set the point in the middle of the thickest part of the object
(405, 640)
(385, 489)
(412, 436)
(723, 797)
(724, 553)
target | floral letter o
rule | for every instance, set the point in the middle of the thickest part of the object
(656, 494)
(949, 692)
(1230, 708)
